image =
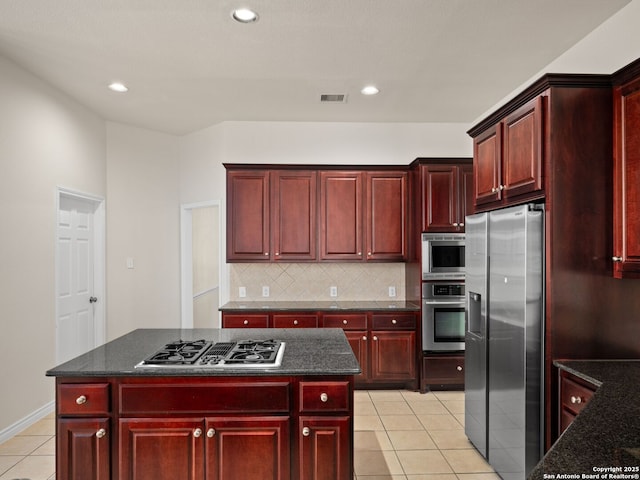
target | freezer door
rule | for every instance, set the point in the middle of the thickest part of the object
(476, 335)
(515, 285)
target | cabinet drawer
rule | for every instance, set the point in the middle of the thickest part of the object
(295, 321)
(350, 321)
(391, 321)
(324, 396)
(444, 369)
(245, 321)
(83, 398)
(231, 397)
(573, 395)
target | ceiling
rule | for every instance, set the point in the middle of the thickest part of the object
(188, 65)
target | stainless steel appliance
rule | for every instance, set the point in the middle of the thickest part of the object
(443, 256)
(206, 354)
(443, 316)
(504, 339)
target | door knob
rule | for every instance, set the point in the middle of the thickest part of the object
(93, 299)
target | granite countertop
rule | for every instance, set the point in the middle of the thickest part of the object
(606, 433)
(369, 305)
(313, 351)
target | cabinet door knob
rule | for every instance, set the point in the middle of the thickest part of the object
(277, 254)
(246, 322)
(616, 259)
(501, 187)
(375, 339)
(576, 400)
(101, 433)
(494, 190)
(266, 253)
(459, 368)
(324, 397)
(211, 432)
(295, 322)
(364, 338)
(81, 399)
(461, 224)
(455, 224)
(306, 431)
(197, 432)
(344, 322)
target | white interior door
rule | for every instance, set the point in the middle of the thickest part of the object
(79, 312)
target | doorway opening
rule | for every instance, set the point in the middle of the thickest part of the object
(200, 259)
(80, 273)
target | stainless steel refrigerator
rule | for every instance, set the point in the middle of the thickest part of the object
(504, 337)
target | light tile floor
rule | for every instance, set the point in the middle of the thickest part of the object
(399, 435)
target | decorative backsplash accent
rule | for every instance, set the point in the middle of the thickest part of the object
(312, 281)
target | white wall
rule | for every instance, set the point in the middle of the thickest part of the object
(143, 223)
(46, 140)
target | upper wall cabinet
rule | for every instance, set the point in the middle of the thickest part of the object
(446, 195)
(626, 173)
(271, 215)
(386, 215)
(297, 215)
(508, 156)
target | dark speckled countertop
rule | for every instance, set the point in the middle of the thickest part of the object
(369, 305)
(308, 351)
(606, 433)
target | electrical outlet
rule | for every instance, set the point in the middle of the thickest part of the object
(265, 291)
(242, 292)
(333, 291)
(392, 291)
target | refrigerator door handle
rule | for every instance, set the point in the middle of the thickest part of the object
(475, 314)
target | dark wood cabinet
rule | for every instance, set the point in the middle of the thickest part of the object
(205, 428)
(626, 176)
(447, 196)
(248, 216)
(323, 455)
(294, 320)
(83, 436)
(393, 351)
(508, 157)
(252, 320)
(575, 393)
(442, 371)
(271, 215)
(84, 444)
(293, 215)
(386, 215)
(341, 215)
(355, 329)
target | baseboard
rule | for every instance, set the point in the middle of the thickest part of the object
(26, 422)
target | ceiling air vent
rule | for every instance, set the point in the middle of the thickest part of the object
(333, 98)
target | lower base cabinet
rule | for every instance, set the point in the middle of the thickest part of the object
(205, 428)
(442, 371)
(84, 446)
(574, 395)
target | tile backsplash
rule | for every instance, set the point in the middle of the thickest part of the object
(313, 281)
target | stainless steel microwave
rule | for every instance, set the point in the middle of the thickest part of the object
(443, 256)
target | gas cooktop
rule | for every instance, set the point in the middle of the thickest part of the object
(206, 354)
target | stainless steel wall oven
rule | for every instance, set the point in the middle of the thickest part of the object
(443, 316)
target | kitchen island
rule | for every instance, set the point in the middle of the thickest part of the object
(295, 421)
(603, 442)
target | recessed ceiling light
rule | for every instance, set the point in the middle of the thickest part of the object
(118, 87)
(244, 15)
(369, 90)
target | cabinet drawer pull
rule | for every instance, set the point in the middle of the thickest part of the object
(324, 397)
(344, 322)
(101, 433)
(306, 432)
(81, 399)
(459, 368)
(246, 322)
(211, 432)
(197, 432)
(576, 400)
(394, 321)
(616, 259)
(295, 322)
(266, 253)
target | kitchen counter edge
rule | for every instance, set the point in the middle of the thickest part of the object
(321, 306)
(605, 433)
